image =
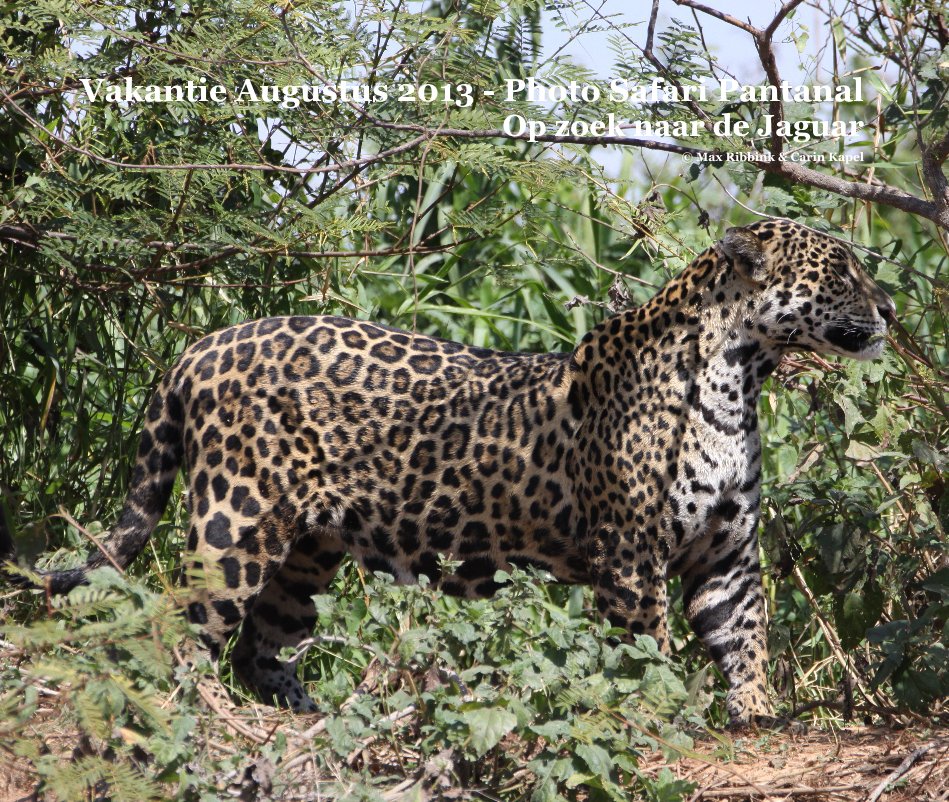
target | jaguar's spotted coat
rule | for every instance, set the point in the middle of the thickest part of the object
(632, 459)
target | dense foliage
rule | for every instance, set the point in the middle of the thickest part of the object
(445, 686)
(129, 231)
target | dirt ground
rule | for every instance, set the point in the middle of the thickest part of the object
(14, 783)
(860, 764)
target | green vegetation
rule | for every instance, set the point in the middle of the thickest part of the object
(112, 264)
(521, 693)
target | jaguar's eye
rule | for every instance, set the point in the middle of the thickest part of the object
(841, 268)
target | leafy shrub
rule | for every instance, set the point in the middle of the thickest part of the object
(524, 694)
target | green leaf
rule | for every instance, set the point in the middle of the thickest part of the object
(926, 454)
(598, 760)
(852, 415)
(938, 582)
(666, 787)
(918, 687)
(488, 725)
(856, 612)
(554, 731)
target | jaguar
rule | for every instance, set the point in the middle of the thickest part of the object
(634, 458)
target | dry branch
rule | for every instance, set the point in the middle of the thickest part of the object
(900, 770)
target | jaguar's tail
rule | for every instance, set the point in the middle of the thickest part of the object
(160, 454)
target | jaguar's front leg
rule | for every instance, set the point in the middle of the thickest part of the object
(629, 582)
(724, 603)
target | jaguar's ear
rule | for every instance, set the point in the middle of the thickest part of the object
(745, 251)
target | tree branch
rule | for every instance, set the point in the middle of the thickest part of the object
(792, 171)
(29, 237)
(235, 166)
(876, 193)
(721, 15)
(763, 41)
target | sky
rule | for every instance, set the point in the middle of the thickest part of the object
(733, 47)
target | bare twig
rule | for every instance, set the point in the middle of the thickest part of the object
(832, 640)
(721, 15)
(900, 770)
(95, 541)
(772, 792)
(212, 693)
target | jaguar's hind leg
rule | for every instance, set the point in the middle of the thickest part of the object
(230, 559)
(282, 616)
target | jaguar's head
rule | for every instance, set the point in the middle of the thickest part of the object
(811, 292)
